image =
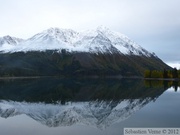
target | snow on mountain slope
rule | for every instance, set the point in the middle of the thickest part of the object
(122, 42)
(100, 114)
(101, 40)
(8, 42)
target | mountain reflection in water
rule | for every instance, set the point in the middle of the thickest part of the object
(65, 102)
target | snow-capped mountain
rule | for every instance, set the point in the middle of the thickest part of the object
(100, 114)
(9, 42)
(99, 52)
(101, 40)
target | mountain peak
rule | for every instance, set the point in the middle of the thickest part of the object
(52, 30)
(7, 36)
(102, 28)
(55, 30)
(9, 40)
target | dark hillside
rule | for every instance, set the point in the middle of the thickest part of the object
(53, 63)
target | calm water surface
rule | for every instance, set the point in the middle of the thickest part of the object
(53, 106)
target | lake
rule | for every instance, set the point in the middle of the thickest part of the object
(54, 106)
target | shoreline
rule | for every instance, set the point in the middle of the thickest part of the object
(24, 77)
(93, 77)
(163, 79)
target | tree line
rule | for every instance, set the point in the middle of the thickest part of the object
(174, 73)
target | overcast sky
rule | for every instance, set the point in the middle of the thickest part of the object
(153, 24)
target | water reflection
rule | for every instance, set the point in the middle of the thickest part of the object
(65, 102)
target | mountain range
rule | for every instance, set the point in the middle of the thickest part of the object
(101, 40)
(99, 52)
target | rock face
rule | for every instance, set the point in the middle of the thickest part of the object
(66, 52)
